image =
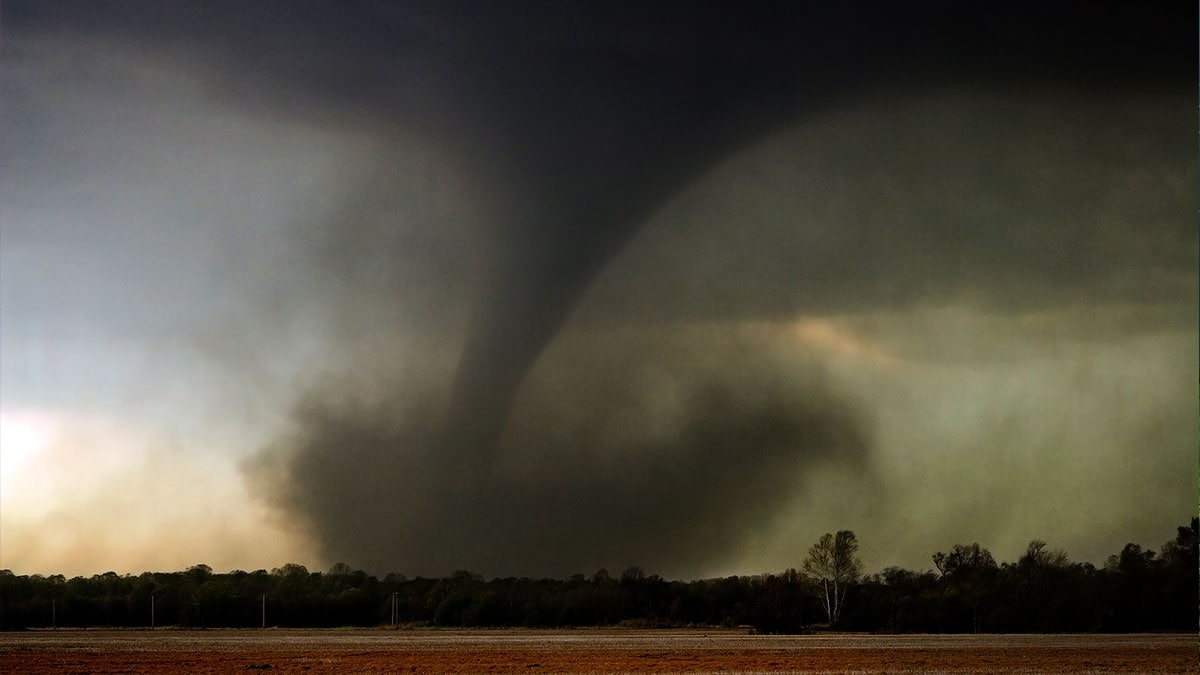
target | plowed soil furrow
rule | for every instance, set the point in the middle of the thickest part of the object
(594, 651)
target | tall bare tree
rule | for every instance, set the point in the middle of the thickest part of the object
(833, 562)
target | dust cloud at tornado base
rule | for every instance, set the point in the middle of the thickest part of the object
(778, 354)
(618, 460)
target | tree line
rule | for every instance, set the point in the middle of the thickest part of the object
(968, 591)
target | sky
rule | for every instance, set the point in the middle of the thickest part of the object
(535, 288)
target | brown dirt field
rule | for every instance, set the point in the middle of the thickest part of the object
(584, 651)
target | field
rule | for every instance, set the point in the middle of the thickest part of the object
(583, 651)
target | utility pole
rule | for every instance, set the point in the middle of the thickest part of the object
(152, 609)
(395, 612)
(53, 612)
(264, 610)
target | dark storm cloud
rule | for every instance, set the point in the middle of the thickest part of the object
(568, 127)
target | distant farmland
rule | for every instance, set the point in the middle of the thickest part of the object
(584, 651)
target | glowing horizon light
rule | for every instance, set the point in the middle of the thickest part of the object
(827, 335)
(68, 475)
(24, 435)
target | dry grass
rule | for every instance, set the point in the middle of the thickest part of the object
(584, 651)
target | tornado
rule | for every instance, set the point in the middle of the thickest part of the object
(580, 174)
